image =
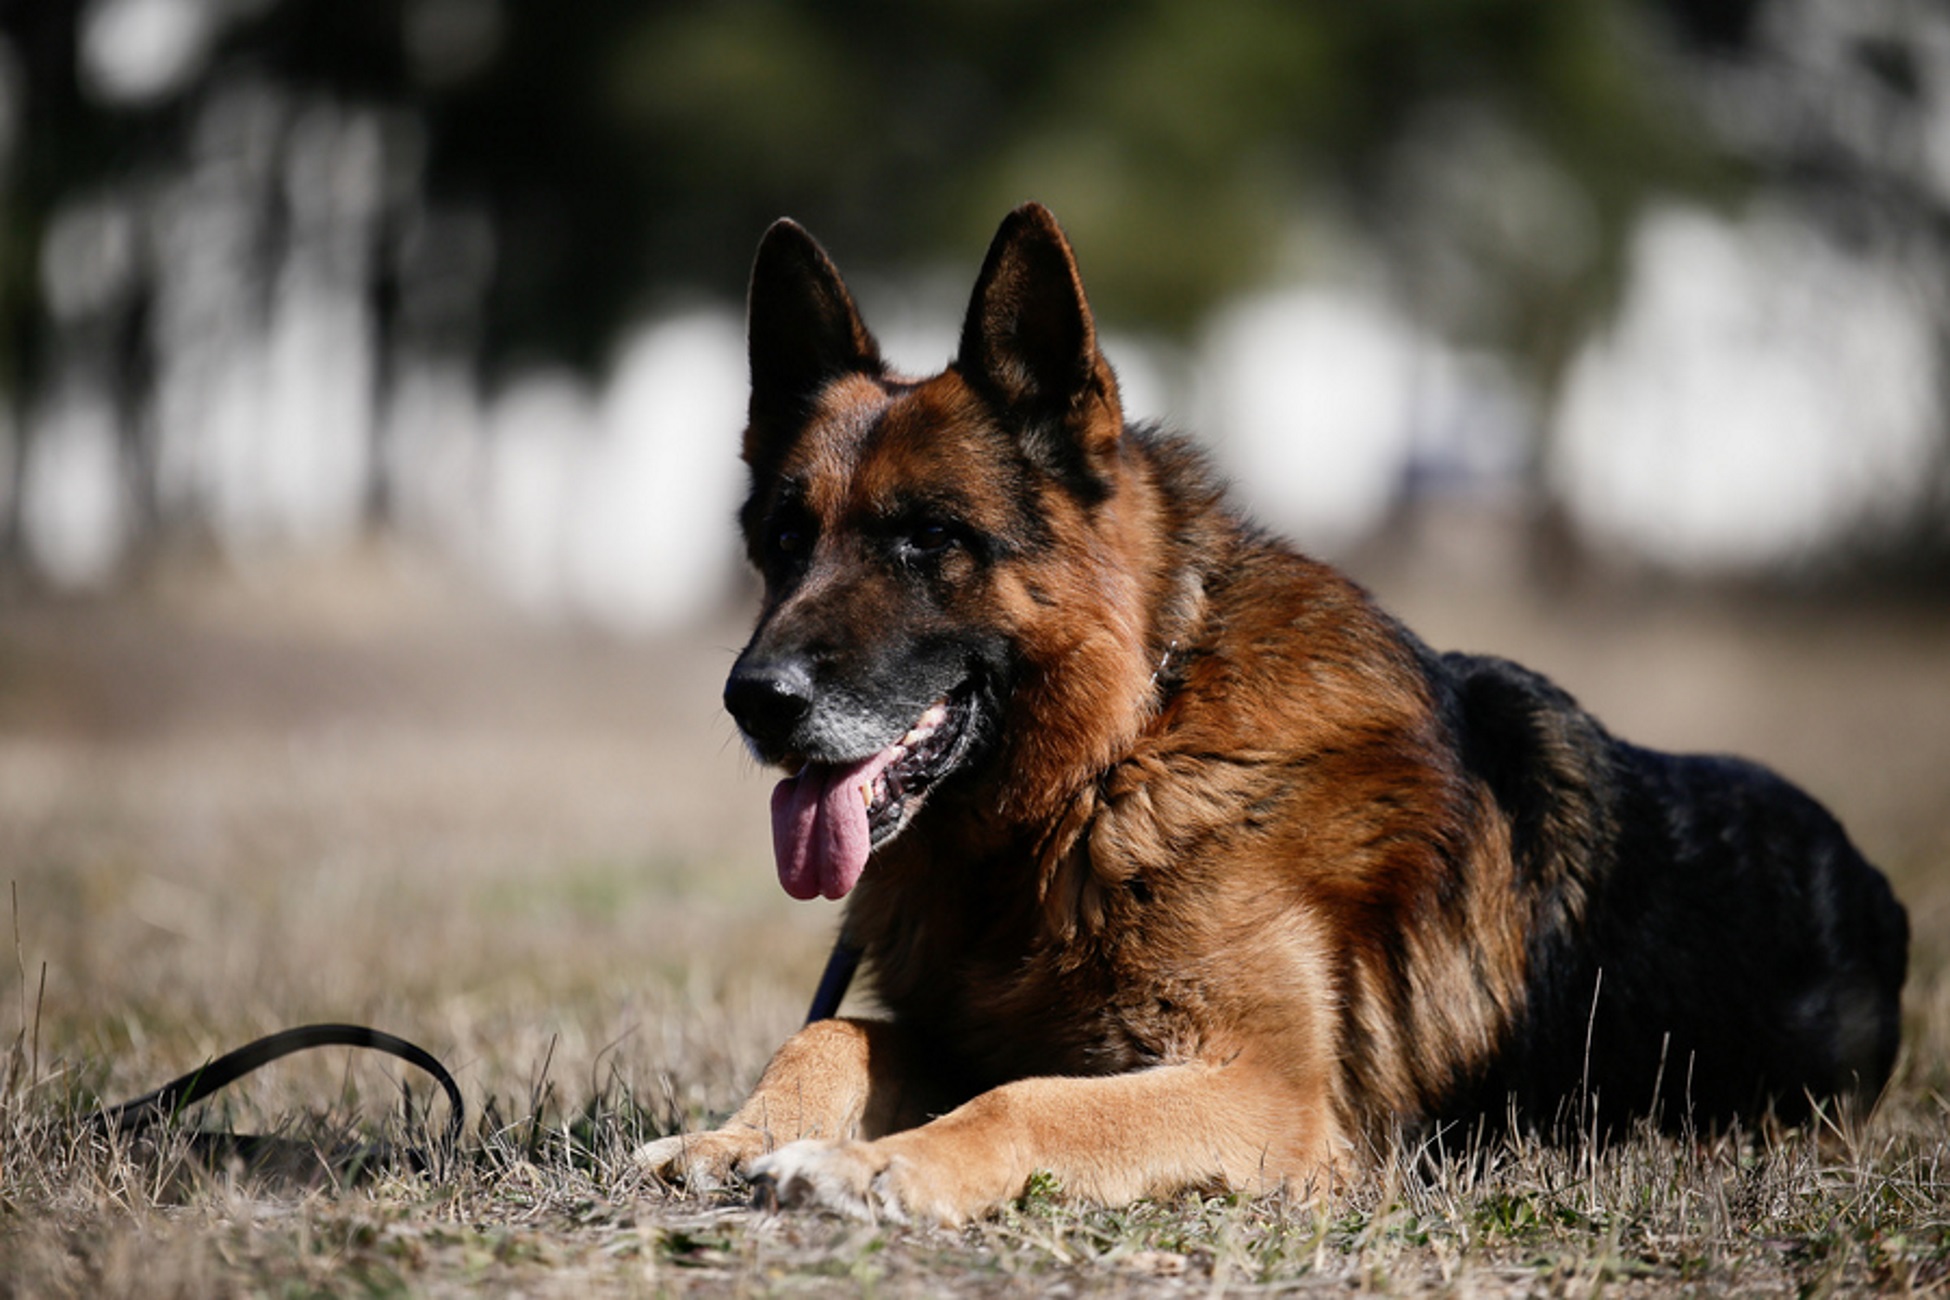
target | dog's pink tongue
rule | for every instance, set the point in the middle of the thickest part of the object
(819, 826)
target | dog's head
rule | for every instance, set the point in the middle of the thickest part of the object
(897, 524)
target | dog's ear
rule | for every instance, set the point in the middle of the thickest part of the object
(803, 331)
(1029, 343)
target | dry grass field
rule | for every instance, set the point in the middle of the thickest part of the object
(353, 794)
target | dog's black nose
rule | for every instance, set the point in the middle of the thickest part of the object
(769, 700)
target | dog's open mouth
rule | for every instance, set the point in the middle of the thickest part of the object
(829, 817)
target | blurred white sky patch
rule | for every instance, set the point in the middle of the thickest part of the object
(285, 430)
(1145, 374)
(916, 336)
(74, 515)
(652, 538)
(535, 430)
(264, 402)
(1317, 402)
(614, 505)
(1307, 404)
(1760, 393)
(435, 459)
(137, 51)
(313, 450)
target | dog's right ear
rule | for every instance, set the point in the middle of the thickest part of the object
(803, 332)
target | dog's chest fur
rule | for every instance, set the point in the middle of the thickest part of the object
(1176, 901)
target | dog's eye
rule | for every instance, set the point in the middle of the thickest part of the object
(788, 539)
(930, 537)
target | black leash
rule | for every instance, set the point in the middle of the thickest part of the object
(845, 959)
(176, 1096)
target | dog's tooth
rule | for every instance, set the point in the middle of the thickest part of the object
(927, 724)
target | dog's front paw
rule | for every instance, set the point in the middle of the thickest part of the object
(700, 1162)
(821, 1175)
(858, 1179)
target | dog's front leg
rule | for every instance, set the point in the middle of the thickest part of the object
(1110, 1139)
(834, 1079)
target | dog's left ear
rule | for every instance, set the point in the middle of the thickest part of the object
(1029, 344)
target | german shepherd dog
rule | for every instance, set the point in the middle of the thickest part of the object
(1177, 863)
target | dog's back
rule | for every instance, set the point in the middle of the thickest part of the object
(1709, 944)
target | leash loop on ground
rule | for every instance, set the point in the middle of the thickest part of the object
(178, 1094)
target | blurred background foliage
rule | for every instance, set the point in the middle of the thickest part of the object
(508, 185)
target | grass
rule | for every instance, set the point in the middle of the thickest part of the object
(540, 856)
(544, 1202)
